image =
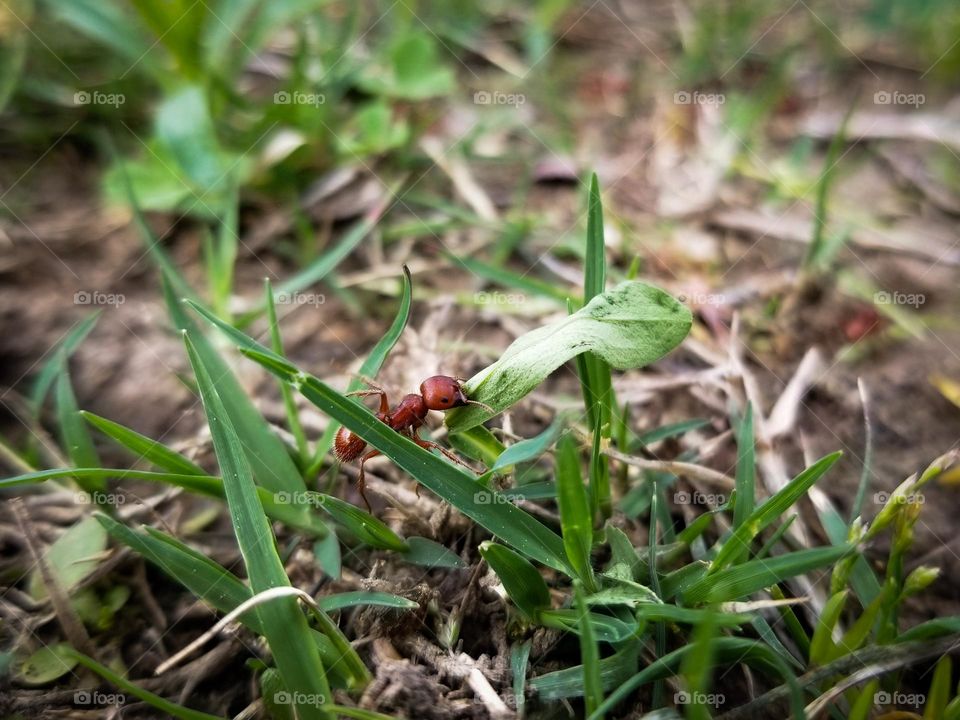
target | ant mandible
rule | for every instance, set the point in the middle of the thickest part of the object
(439, 392)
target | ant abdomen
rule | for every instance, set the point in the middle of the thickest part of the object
(348, 446)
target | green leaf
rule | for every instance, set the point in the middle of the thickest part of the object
(209, 485)
(413, 72)
(689, 616)
(276, 343)
(427, 553)
(519, 658)
(527, 284)
(284, 625)
(62, 352)
(738, 544)
(746, 471)
(170, 709)
(604, 627)
(266, 453)
(144, 447)
(478, 443)
(529, 449)
(520, 579)
(364, 526)
(595, 267)
(185, 130)
(629, 327)
(371, 366)
(747, 578)
(73, 431)
(624, 592)
(169, 273)
(822, 647)
(594, 373)
(939, 694)
(665, 432)
(589, 654)
(373, 131)
(487, 508)
(339, 601)
(72, 557)
(106, 23)
(575, 514)
(46, 664)
(13, 50)
(727, 650)
(566, 683)
(698, 665)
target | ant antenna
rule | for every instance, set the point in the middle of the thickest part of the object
(483, 405)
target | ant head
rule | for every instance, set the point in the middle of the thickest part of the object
(441, 392)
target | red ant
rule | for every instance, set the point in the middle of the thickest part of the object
(439, 392)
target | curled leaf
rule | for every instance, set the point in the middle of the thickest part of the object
(629, 327)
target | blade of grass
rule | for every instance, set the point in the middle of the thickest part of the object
(276, 343)
(815, 253)
(284, 625)
(370, 367)
(203, 484)
(566, 683)
(144, 447)
(74, 436)
(362, 525)
(272, 465)
(575, 513)
(171, 709)
(738, 544)
(745, 479)
(595, 377)
(519, 657)
(339, 601)
(161, 259)
(48, 373)
(589, 655)
(741, 580)
(524, 585)
(697, 667)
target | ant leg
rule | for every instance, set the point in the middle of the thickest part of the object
(430, 445)
(374, 390)
(361, 485)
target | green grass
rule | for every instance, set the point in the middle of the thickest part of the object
(666, 601)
